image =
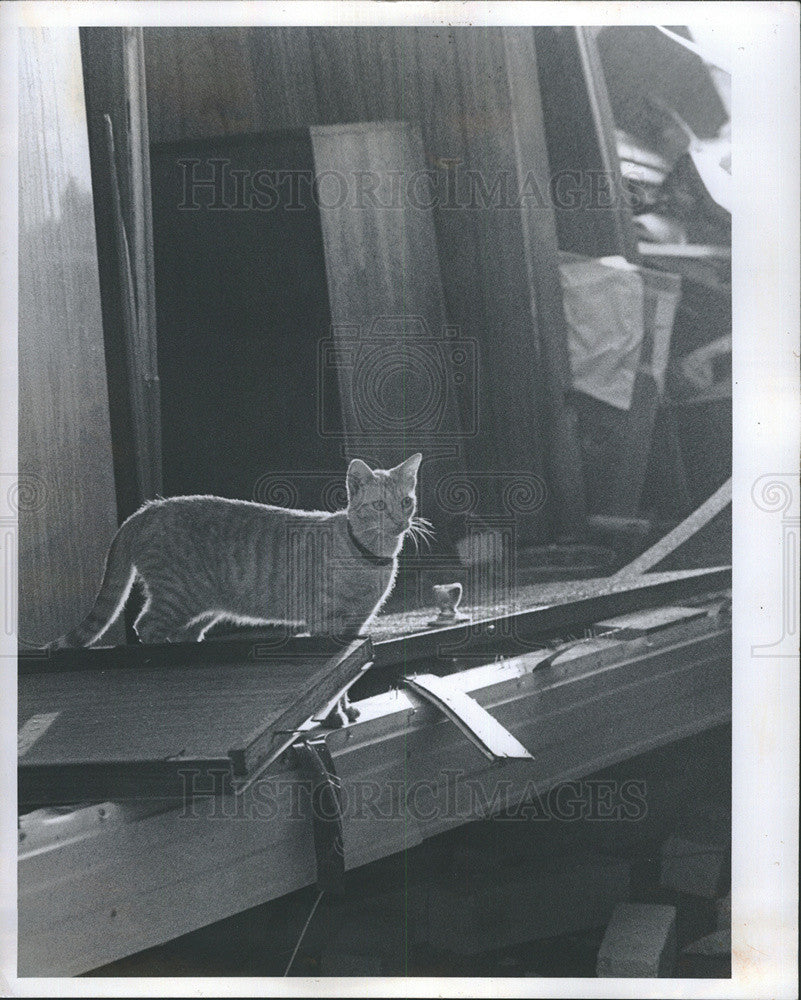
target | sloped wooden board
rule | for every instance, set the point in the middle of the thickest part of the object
(142, 722)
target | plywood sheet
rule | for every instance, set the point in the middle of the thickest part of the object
(65, 497)
(405, 377)
(128, 728)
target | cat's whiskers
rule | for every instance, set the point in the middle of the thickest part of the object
(413, 535)
(420, 531)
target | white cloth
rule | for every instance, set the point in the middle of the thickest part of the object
(604, 308)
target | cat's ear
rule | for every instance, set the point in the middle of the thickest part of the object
(359, 473)
(408, 469)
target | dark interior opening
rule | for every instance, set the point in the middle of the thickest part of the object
(242, 305)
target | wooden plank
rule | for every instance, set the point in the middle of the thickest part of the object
(400, 369)
(255, 644)
(512, 634)
(454, 83)
(640, 942)
(113, 75)
(474, 721)
(541, 250)
(474, 146)
(142, 252)
(582, 145)
(624, 485)
(67, 513)
(694, 251)
(603, 133)
(643, 623)
(228, 854)
(720, 499)
(592, 217)
(624, 488)
(132, 733)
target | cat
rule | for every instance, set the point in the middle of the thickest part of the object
(206, 559)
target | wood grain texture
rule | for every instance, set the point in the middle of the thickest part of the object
(398, 366)
(137, 135)
(499, 632)
(64, 433)
(456, 85)
(113, 65)
(469, 140)
(563, 454)
(102, 57)
(576, 718)
(205, 81)
(131, 732)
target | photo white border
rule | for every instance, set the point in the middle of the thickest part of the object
(767, 441)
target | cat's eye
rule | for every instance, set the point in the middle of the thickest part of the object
(379, 505)
(407, 503)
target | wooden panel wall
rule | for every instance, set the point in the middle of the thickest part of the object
(116, 105)
(64, 436)
(456, 84)
(580, 134)
(400, 367)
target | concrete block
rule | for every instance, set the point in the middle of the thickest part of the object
(692, 866)
(481, 912)
(640, 942)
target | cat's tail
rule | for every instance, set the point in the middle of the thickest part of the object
(118, 578)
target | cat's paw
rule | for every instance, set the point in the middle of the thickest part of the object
(341, 714)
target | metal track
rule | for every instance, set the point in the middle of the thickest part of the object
(512, 634)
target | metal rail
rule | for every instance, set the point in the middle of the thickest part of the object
(523, 631)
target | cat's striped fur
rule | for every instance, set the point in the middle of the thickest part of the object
(204, 559)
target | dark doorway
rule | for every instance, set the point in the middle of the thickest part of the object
(242, 305)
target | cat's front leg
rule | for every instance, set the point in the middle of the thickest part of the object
(341, 714)
(342, 629)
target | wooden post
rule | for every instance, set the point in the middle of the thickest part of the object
(113, 68)
(67, 510)
(563, 458)
(401, 368)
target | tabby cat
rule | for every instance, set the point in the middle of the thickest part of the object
(205, 559)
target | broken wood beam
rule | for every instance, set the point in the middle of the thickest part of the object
(720, 499)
